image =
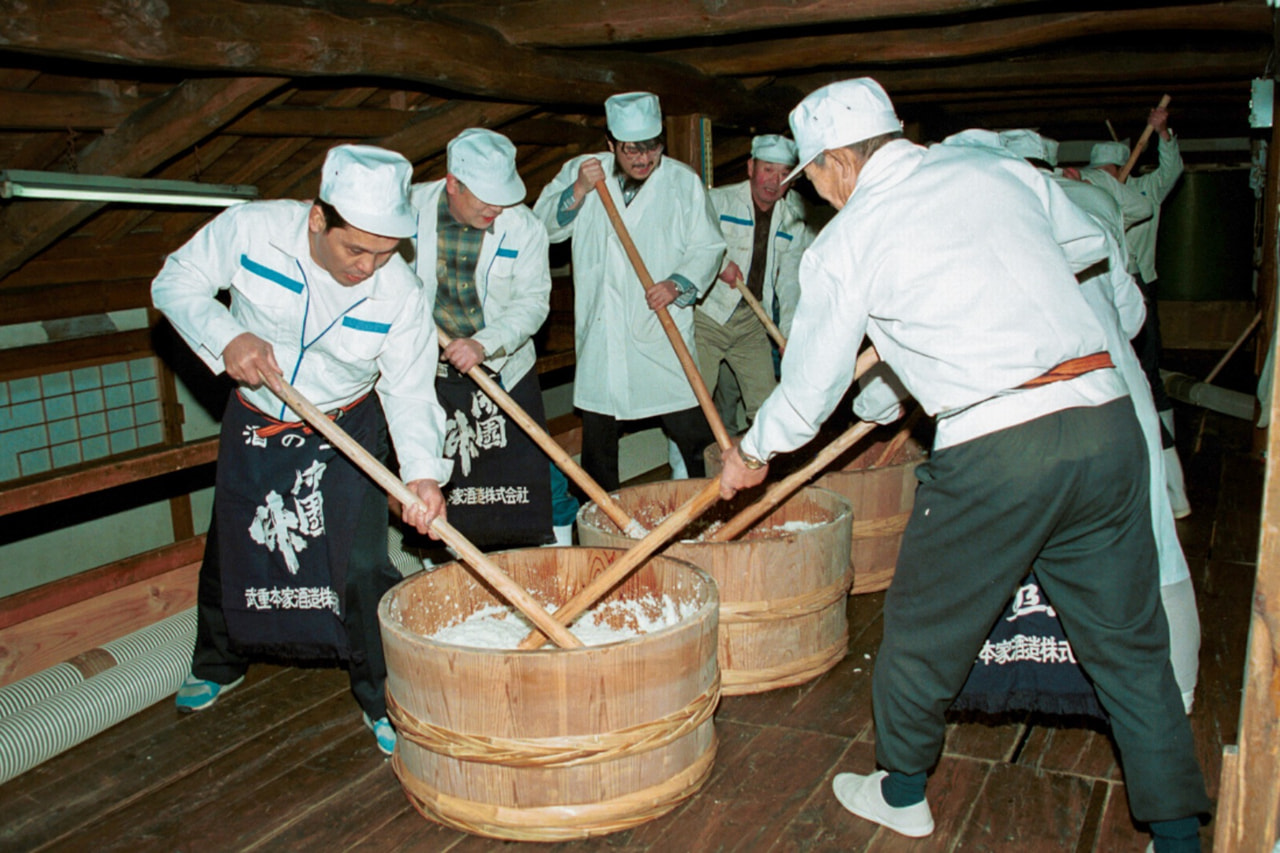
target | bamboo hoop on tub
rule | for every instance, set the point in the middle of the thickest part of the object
(365, 461)
(543, 439)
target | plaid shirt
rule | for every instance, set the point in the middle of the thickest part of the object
(458, 310)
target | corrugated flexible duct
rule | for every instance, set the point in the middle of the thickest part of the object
(52, 715)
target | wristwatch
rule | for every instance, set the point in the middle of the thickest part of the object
(750, 461)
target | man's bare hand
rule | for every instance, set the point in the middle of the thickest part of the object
(464, 354)
(736, 476)
(730, 274)
(1159, 121)
(662, 294)
(420, 515)
(248, 359)
(590, 173)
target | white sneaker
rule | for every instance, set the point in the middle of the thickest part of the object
(861, 795)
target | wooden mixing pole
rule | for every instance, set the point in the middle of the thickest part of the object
(769, 326)
(668, 325)
(551, 447)
(600, 585)
(365, 461)
(1142, 144)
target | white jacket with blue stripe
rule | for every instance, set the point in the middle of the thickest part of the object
(513, 280)
(376, 335)
(790, 237)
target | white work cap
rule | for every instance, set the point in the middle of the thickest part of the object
(633, 116)
(1027, 144)
(486, 163)
(1109, 154)
(772, 148)
(975, 137)
(369, 187)
(840, 114)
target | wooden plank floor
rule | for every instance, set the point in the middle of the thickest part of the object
(284, 763)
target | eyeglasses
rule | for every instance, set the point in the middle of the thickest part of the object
(635, 149)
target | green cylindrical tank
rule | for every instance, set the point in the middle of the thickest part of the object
(1205, 248)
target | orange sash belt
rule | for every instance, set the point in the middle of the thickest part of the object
(275, 427)
(1070, 369)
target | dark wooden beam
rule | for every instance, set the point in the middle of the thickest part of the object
(407, 43)
(162, 129)
(321, 122)
(52, 302)
(867, 46)
(33, 110)
(942, 82)
(567, 23)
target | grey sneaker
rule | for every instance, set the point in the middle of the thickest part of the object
(196, 694)
(861, 795)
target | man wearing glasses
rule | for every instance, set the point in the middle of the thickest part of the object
(627, 369)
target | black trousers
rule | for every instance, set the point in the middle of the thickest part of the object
(1067, 494)
(688, 428)
(1147, 345)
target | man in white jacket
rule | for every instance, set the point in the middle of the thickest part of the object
(296, 557)
(765, 232)
(484, 255)
(1038, 459)
(627, 369)
(1140, 198)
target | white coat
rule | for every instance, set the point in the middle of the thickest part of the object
(376, 338)
(513, 280)
(791, 236)
(626, 366)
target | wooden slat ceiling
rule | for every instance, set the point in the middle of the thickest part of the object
(231, 91)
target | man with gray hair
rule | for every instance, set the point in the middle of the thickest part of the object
(960, 268)
(763, 225)
(627, 369)
(484, 255)
(296, 557)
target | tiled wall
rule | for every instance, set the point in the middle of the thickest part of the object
(66, 418)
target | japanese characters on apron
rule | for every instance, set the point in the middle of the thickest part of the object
(287, 504)
(1026, 664)
(500, 493)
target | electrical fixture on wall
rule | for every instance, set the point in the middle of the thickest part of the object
(20, 183)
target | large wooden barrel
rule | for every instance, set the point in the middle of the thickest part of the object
(552, 744)
(782, 591)
(882, 497)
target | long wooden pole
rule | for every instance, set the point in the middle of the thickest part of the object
(1142, 144)
(549, 446)
(769, 326)
(365, 461)
(781, 490)
(645, 548)
(668, 325)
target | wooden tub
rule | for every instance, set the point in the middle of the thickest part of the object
(782, 593)
(551, 744)
(882, 497)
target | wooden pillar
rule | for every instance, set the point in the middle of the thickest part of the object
(689, 141)
(1248, 816)
(172, 417)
